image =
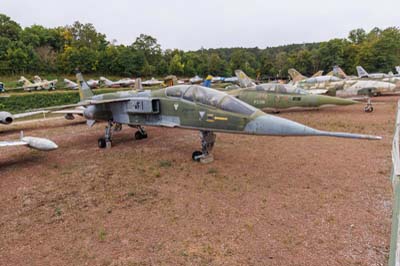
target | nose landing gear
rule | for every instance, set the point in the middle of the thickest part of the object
(207, 144)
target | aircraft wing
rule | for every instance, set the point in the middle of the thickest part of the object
(82, 104)
(16, 116)
(12, 143)
(70, 111)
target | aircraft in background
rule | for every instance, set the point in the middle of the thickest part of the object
(126, 82)
(152, 82)
(362, 73)
(36, 143)
(296, 76)
(275, 97)
(195, 80)
(189, 107)
(38, 84)
(70, 84)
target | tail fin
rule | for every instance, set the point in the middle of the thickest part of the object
(361, 72)
(244, 80)
(138, 84)
(25, 81)
(295, 75)
(37, 79)
(84, 90)
(318, 74)
(337, 72)
(398, 69)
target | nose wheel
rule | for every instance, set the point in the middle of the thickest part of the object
(369, 108)
(207, 144)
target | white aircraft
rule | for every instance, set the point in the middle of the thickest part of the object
(38, 84)
(70, 84)
(126, 82)
(36, 143)
(195, 80)
(151, 82)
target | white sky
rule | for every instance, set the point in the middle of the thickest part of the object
(189, 25)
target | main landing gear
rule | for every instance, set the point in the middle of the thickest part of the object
(207, 144)
(106, 141)
(369, 108)
(141, 133)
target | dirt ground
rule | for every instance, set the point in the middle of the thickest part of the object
(263, 201)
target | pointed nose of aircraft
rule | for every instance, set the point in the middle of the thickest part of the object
(277, 126)
(328, 100)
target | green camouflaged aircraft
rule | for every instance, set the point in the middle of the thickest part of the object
(275, 97)
(189, 107)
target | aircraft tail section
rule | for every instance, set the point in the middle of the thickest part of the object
(295, 75)
(25, 81)
(361, 72)
(318, 74)
(84, 90)
(398, 69)
(106, 81)
(138, 84)
(244, 80)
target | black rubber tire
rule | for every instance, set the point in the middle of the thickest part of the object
(102, 143)
(195, 154)
(139, 135)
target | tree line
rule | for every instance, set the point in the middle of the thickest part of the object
(37, 49)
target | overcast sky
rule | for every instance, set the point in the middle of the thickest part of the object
(190, 25)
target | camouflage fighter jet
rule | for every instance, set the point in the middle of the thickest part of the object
(36, 143)
(39, 84)
(275, 97)
(189, 107)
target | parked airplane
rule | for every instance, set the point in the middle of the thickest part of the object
(189, 107)
(126, 82)
(152, 82)
(38, 84)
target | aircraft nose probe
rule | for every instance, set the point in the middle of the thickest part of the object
(277, 126)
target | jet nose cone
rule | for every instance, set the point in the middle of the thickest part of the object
(277, 126)
(327, 100)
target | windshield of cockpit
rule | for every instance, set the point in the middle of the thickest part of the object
(211, 97)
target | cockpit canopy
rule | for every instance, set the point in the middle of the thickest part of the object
(210, 97)
(280, 88)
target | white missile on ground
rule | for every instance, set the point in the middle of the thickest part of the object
(36, 143)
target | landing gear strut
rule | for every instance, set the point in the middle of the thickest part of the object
(106, 142)
(207, 144)
(369, 108)
(141, 133)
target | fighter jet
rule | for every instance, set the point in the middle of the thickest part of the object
(70, 84)
(296, 76)
(39, 84)
(188, 107)
(126, 82)
(152, 82)
(36, 143)
(195, 80)
(377, 76)
(246, 82)
(276, 97)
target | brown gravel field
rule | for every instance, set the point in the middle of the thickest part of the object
(263, 201)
